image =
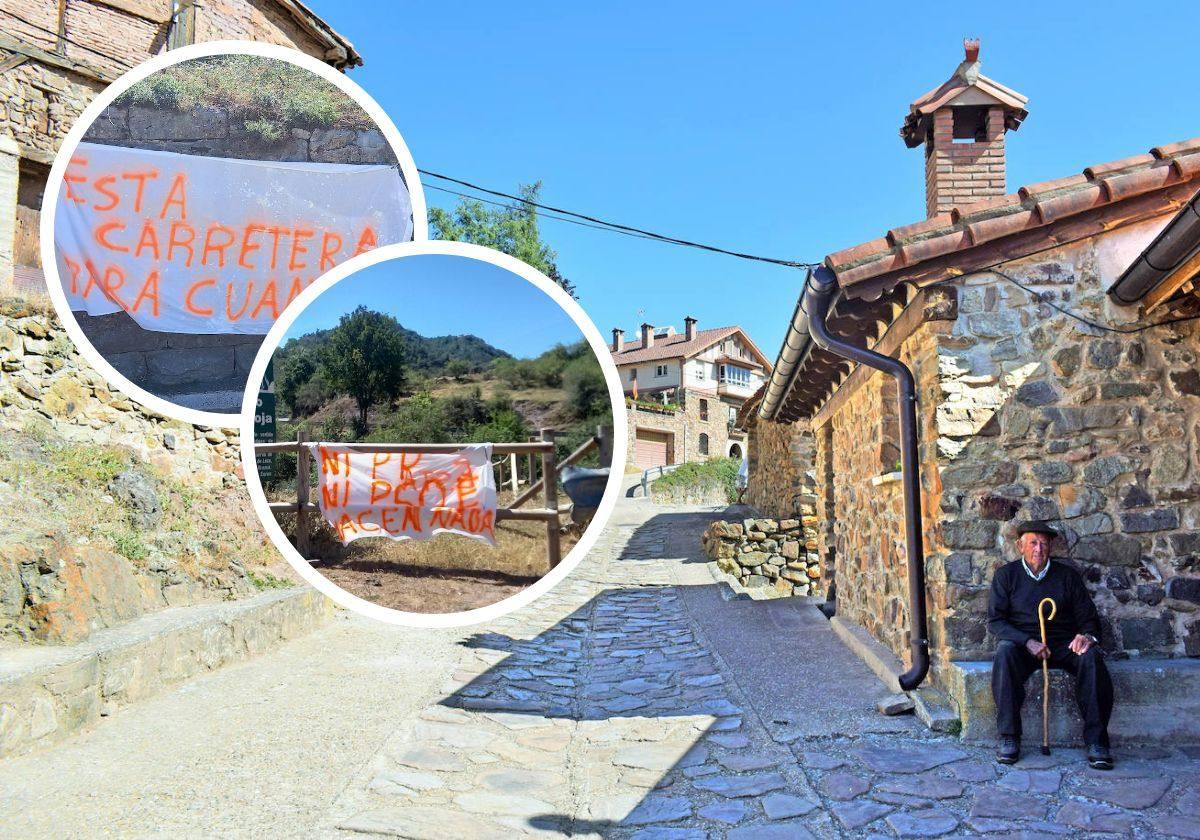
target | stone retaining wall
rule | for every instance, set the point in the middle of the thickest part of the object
(49, 694)
(58, 584)
(778, 553)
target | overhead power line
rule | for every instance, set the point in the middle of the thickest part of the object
(617, 227)
(541, 215)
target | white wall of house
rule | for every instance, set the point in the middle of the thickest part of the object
(648, 377)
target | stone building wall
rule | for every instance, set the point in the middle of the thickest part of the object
(42, 98)
(781, 479)
(1025, 413)
(860, 496)
(62, 570)
(1044, 417)
(685, 426)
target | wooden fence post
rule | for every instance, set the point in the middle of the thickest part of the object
(512, 462)
(532, 466)
(302, 467)
(550, 483)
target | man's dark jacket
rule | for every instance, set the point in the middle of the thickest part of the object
(1012, 609)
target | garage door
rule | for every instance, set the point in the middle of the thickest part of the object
(652, 449)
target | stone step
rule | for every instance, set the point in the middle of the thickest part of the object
(1157, 701)
(48, 693)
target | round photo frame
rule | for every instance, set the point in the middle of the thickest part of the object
(75, 136)
(440, 620)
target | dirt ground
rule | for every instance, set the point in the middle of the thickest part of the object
(422, 590)
(448, 573)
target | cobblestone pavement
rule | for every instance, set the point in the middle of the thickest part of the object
(636, 700)
(603, 711)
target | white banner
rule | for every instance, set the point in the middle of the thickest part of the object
(407, 496)
(193, 244)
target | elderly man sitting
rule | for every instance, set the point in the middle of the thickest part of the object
(1071, 642)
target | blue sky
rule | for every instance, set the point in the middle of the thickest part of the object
(764, 127)
(439, 295)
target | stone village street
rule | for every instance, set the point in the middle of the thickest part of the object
(641, 698)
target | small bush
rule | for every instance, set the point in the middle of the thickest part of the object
(268, 131)
(89, 464)
(129, 544)
(720, 472)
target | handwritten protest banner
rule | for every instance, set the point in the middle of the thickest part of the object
(407, 496)
(192, 244)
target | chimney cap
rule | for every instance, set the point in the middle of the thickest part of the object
(918, 123)
(689, 318)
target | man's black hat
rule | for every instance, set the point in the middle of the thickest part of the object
(1037, 526)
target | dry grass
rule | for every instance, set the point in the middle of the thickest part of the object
(271, 96)
(445, 574)
(520, 550)
(60, 488)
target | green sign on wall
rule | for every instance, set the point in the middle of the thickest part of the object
(264, 423)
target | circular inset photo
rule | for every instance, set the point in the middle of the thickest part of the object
(430, 433)
(194, 201)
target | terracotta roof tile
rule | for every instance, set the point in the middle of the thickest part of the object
(985, 230)
(897, 236)
(1173, 149)
(858, 252)
(934, 246)
(989, 206)
(1136, 183)
(1186, 165)
(1053, 208)
(1051, 186)
(905, 247)
(1102, 169)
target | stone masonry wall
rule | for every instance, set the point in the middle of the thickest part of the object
(686, 426)
(778, 553)
(59, 578)
(861, 498)
(1043, 417)
(781, 477)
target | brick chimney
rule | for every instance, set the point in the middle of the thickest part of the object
(962, 124)
(647, 336)
(618, 343)
(689, 328)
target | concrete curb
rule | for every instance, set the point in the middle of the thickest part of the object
(50, 693)
(885, 664)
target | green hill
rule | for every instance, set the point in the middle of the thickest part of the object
(430, 355)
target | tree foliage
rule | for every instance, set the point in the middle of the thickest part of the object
(364, 357)
(512, 229)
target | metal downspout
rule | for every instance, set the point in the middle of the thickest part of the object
(817, 301)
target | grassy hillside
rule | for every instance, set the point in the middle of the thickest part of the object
(456, 389)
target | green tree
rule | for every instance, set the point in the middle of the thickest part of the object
(587, 392)
(364, 358)
(512, 229)
(293, 375)
(457, 368)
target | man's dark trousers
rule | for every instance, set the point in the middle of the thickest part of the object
(1011, 667)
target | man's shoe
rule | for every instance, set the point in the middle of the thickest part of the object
(1099, 758)
(1008, 750)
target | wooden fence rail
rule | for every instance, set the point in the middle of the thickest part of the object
(542, 449)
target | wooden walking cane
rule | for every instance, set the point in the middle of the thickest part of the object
(1042, 619)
